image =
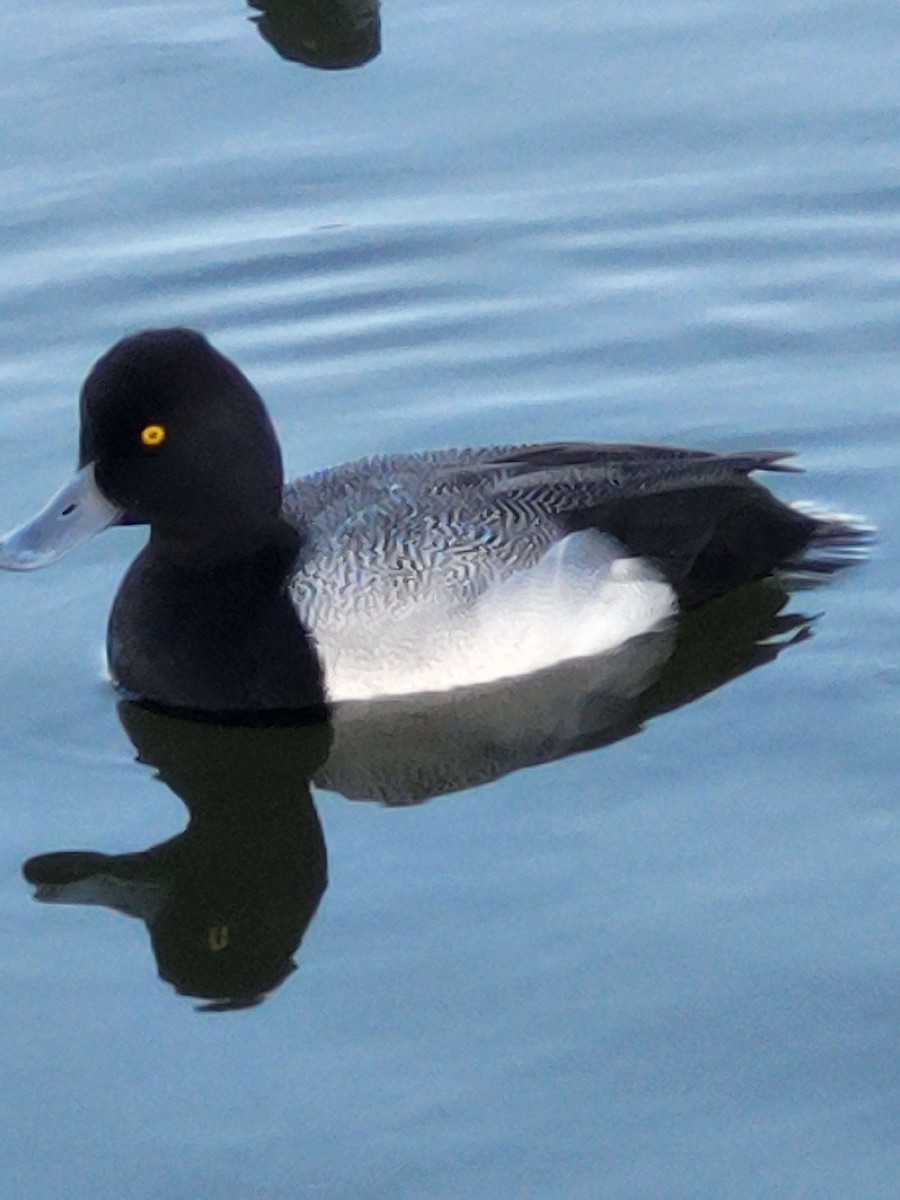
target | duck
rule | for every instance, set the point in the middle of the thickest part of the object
(396, 574)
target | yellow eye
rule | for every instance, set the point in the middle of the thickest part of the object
(153, 435)
(217, 937)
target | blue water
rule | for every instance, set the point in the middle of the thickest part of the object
(644, 954)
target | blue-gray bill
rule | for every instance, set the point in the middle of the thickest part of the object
(74, 514)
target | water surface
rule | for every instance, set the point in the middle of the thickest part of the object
(652, 963)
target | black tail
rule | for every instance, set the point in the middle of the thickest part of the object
(708, 540)
(838, 540)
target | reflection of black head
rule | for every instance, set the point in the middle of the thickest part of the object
(251, 867)
(223, 936)
(330, 34)
(228, 901)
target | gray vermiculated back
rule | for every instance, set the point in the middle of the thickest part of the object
(392, 527)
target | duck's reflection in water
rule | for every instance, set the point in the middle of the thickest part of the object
(332, 35)
(408, 749)
(227, 902)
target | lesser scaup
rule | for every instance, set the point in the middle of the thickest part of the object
(392, 575)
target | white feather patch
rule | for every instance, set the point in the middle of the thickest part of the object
(584, 597)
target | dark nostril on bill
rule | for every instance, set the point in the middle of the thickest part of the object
(69, 509)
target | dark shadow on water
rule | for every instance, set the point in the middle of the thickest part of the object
(332, 35)
(226, 903)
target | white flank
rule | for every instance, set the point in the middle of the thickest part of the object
(582, 598)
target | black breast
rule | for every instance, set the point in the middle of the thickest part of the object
(215, 635)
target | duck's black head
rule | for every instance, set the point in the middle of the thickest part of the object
(178, 436)
(174, 436)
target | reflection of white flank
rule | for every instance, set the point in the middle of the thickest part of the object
(582, 598)
(403, 749)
